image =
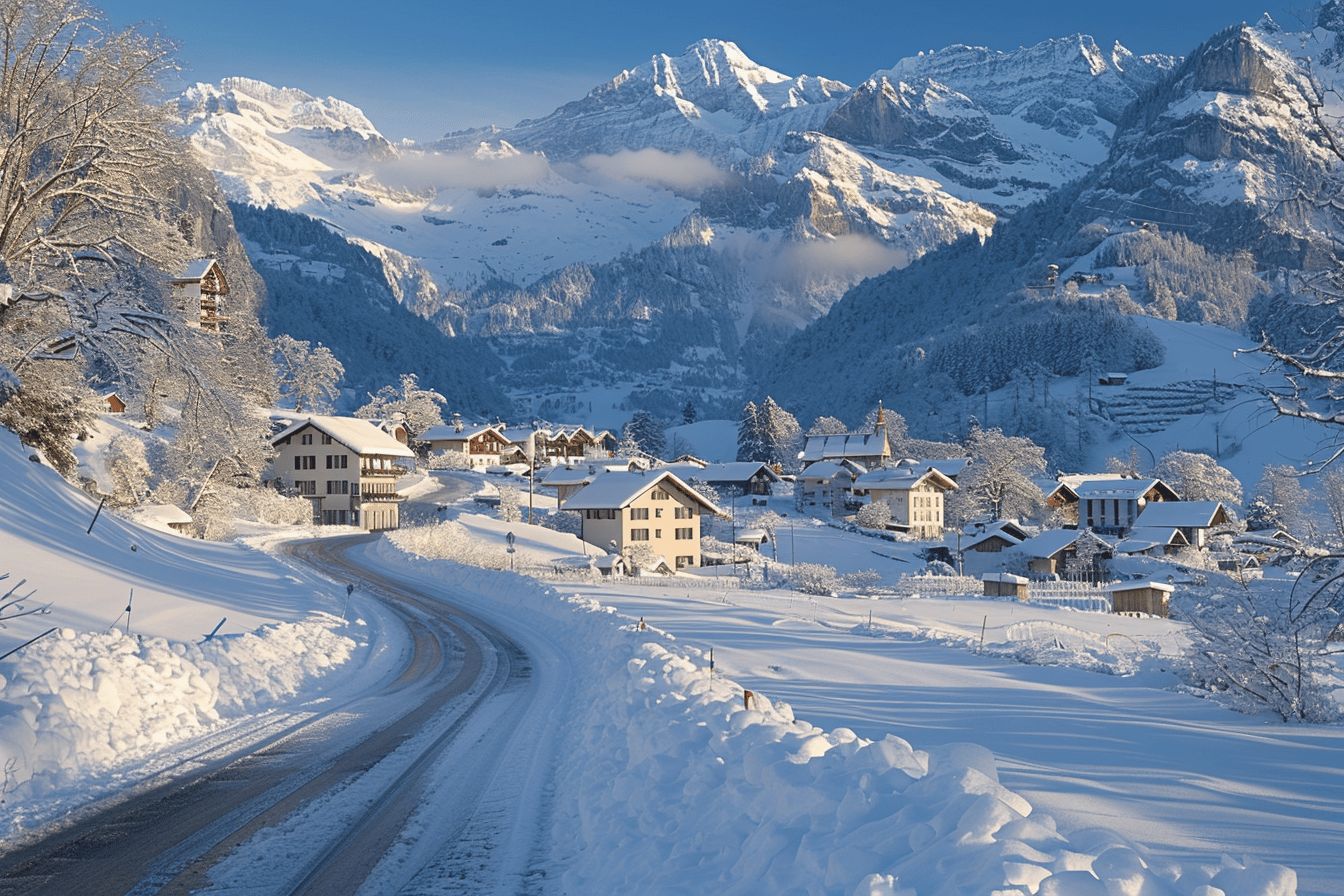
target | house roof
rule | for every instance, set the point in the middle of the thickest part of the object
(609, 561)
(734, 471)
(951, 467)
(751, 536)
(1049, 543)
(360, 436)
(448, 433)
(1006, 578)
(571, 475)
(617, 490)
(1145, 538)
(1008, 530)
(1120, 489)
(196, 270)
(902, 479)
(849, 444)
(1135, 586)
(826, 469)
(1182, 514)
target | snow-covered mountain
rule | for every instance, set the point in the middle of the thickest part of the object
(701, 180)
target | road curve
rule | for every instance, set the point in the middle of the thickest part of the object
(170, 836)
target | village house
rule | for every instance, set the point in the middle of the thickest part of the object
(993, 538)
(1061, 492)
(827, 484)
(557, 445)
(1151, 598)
(1153, 541)
(1111, 506)
(565, 482)
(114, 404)
(200, 292)
(869, 450)
(1194, 519)
(347, 467)
(734, 478)
(951, 467)
(482, 445)
(1053, 551)
(914, 496)
(643, 514)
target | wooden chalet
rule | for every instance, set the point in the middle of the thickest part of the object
(201, 290)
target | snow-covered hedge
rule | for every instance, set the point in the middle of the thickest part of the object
(674, 786)
(78, 703)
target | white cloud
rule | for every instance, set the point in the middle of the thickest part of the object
(685, 172)
(848, 257)
(480, 170)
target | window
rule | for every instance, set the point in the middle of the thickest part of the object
(338, 487)
(658, 513)
(326, 439)
(306, 439)
(639, 534)
(659, 495)
(305, 462)
(685, 534)
(639, 513)
(685, 561)
(306, 487)
(603, 514)
(657, 533)
(684, 513)
(338, 461)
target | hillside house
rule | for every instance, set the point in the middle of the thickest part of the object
(1111, 506)
(1194, 519)
(114, 404)
(395, 428)
(735, 478)
(1153, 541)
(951, 467)
(626, 512)
(565, 482)
(993, 538)
(914, 496)
(347, 467)
(199, 292)
(483, 445)
(827, 484)
(1053, 551)
(869, 450)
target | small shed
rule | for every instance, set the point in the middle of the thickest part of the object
(1113, 379)
(611, 565)
(752, 538)
(1004, 584)
(114, 403)
(165, 518)
(1149, 598)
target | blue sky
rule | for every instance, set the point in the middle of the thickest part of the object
(419, 68)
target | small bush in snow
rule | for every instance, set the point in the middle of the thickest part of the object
(873, 516)
(567, 521)
(862, 581)
(449, 460)
(815, 578)
(449, 541)
(509, 505)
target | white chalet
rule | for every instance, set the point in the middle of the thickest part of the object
(828, 484)
(347, 467)
(914, 496)
(624, 511)
(1111, 506)
(483, 445)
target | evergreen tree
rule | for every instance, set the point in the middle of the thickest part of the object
(750, 440)
(647, 433)
(688, 413)
(780, 434)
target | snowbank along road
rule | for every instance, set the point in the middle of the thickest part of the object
(430, 779)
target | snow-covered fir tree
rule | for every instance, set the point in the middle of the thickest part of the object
(646, 433)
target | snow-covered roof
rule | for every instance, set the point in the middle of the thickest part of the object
(1182, 514)
(616, 490)
(196, 270)
(1006, 578)
(902, 479)
(571, 475)
(951, 467)
(609, 561)
(1135, 586)
(751, 536)
(849, 444)
(826, 469)
(162, 515)
(360, 436)
(1145, 538)
(1119, 489)
(1008, 530)
(1048, 543)
(733, 471)
(448, 433)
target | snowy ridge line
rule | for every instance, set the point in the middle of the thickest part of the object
(673, 784)
(82, 704)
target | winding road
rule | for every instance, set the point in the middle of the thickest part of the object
(433, 779)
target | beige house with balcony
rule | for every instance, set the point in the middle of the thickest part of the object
(625, 512)
(347, 467)
(914, 496)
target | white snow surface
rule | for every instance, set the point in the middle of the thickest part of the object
(671, 784)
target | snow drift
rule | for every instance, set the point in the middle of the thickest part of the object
(674, 784)
(79, 703)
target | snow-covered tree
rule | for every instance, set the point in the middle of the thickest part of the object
(815, 578)
(1129, 465)
(449, 460)
(873, 516)
(1269, 645)
(1089, 549)
(688, 412)
(510, 505)
(408, 403)
(310, 376)
(750, 438)
(998, 482)
(1198, 477)
(827, 426)
(646, 432)
(128, 470)
(1332, 496)
(1280, 500)
(51, 408)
